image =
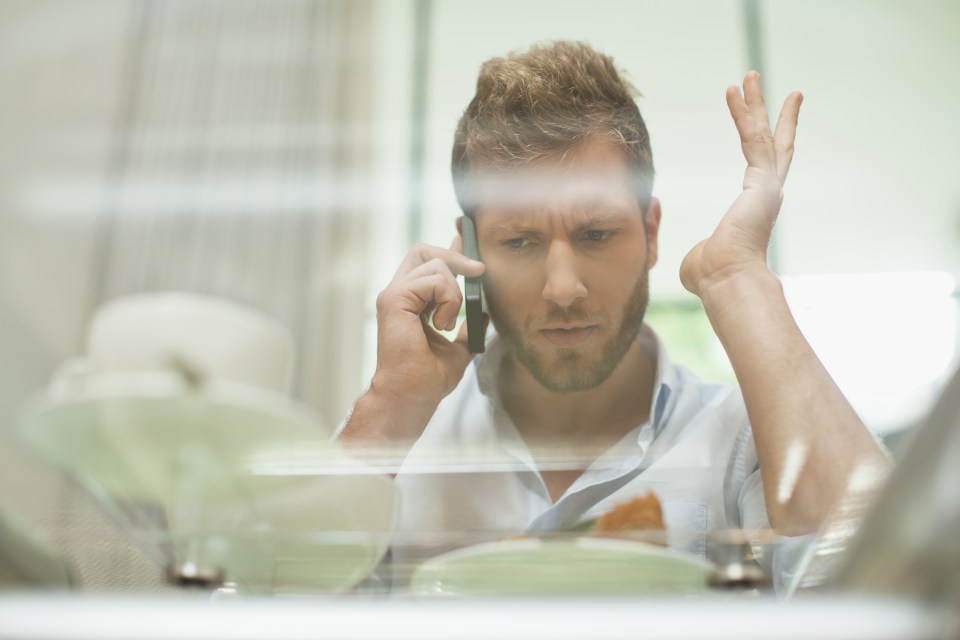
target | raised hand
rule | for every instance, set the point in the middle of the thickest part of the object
(739, 243)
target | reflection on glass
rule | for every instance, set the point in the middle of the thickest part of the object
(626, 431)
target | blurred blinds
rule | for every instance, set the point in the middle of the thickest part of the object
(239, 166)
(217, 147)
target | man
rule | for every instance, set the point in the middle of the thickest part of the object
(552, 161)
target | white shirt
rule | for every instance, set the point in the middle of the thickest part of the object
(470, 478)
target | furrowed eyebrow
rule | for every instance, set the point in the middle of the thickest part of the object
(513, 228)
(600, 220)
(586, 221)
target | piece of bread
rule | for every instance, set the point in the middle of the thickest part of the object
(642, 514)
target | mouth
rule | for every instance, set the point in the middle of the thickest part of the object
(569, 336)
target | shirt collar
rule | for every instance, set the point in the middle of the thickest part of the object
(667, 380)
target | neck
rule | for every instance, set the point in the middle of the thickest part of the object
(582, 421)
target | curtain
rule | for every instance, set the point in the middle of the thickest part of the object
(219, 147)
(238, 169)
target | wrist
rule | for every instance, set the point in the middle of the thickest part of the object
(745, 290)
(402, 391)
(387, 416)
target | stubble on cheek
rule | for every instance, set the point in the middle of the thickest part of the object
(576, 369)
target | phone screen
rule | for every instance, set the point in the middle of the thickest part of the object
(473, 290)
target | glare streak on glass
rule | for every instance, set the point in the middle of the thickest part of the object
(793, 465)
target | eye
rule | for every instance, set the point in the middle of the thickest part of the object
(597, 235)
(516, 243)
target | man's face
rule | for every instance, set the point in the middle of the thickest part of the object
(567, 251)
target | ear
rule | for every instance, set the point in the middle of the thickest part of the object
(651, 223)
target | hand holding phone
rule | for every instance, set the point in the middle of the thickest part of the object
(416, 365)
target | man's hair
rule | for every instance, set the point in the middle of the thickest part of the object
(544, 103)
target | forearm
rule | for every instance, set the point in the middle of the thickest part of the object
(809, 439)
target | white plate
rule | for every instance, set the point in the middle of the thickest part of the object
(561, 566)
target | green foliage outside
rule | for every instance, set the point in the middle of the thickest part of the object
(685, 330)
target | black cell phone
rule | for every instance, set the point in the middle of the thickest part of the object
(473, 288)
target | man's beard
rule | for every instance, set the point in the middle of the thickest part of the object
(577, 369)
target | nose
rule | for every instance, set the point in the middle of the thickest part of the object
(563, 285)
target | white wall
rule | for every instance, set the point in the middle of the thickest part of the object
(876, 185)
